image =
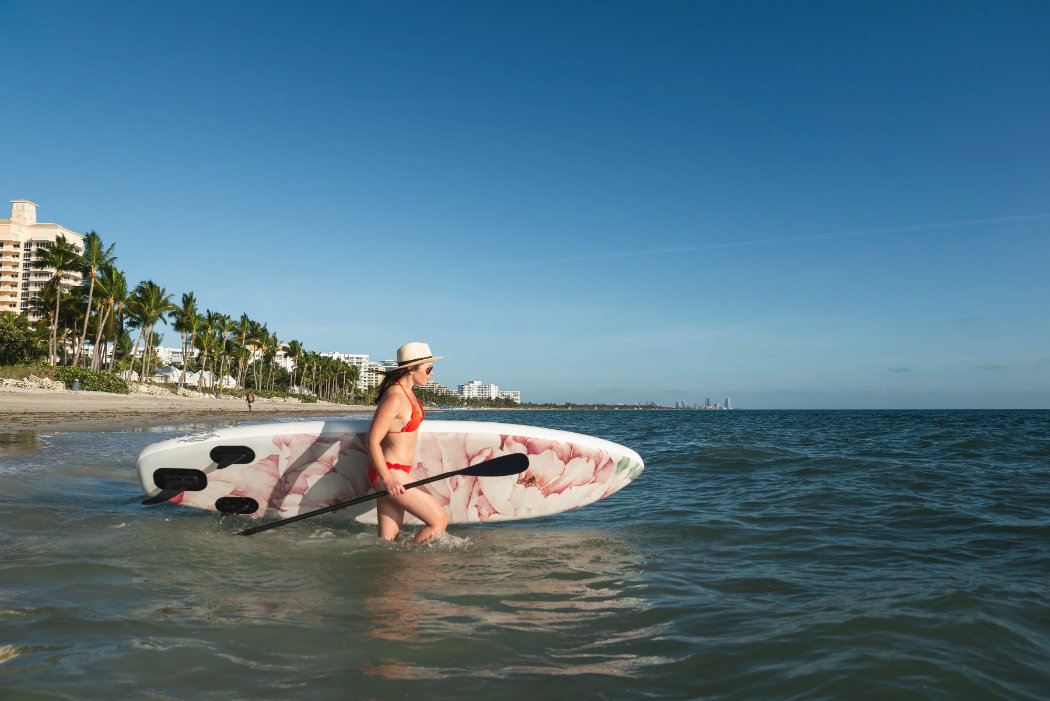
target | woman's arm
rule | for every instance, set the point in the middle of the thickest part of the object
(383, 419)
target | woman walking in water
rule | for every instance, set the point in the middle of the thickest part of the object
(392, 441)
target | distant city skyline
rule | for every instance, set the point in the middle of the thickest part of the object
(811, 206)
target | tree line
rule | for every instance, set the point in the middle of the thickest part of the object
(104, 308)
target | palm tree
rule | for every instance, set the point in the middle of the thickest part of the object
(244, 328)
(101, 315)
(186, 321)
(61, 257)
(207, 343)
(225, 327)
(95, 258)
(151, 303)
(294, 352)
(69, 321)
(353, 376)
(42, 305)
(118, 299)
(275, 347)
(260, 335)
(112, 287)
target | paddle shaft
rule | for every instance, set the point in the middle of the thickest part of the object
(336, 507)
(505, 465)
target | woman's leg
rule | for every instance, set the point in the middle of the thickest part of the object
(426, 509)
(391, 516)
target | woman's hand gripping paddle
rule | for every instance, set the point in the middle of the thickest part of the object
(513, 464)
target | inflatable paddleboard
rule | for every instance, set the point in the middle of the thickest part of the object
(279, 470)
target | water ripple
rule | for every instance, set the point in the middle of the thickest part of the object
(773, 555)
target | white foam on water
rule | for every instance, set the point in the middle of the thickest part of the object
(321, 534)
(446, 541)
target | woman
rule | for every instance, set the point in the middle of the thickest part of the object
(392, 441)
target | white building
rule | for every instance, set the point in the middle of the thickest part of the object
(21, 238)
(476, 389)
(438, 388)
(168, 356)
(283, 360)
(349, 358)
(370, 373)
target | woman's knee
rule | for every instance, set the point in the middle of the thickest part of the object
(441, 521)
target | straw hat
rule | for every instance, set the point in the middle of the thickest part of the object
(413, 354)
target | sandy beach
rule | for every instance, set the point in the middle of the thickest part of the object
(43, 410)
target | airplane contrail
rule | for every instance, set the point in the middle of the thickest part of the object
(760, 242)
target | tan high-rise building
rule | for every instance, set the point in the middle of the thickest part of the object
(21, 237)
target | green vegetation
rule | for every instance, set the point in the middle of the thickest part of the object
(91, 380)
(18, 342)
(130, 320)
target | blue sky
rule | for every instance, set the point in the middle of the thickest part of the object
(837, 205)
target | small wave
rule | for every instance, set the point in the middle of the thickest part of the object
(321, 534)
(8, 652)
(447, 541)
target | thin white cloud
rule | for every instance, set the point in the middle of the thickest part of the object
(765, 241)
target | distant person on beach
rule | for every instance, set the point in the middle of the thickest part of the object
(392, 441)
(250, 398)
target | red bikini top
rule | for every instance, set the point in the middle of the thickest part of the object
(417, 413)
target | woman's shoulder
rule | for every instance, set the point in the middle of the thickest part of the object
(392, 399)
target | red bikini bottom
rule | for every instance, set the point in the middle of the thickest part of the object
(373, 475)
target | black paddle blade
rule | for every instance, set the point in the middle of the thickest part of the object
(513, 464)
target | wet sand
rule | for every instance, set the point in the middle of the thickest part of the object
(41, 410)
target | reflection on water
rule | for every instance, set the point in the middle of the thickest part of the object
(18, 442)
(764, 583)
(549, 590)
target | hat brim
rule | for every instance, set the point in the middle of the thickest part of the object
(414, 363)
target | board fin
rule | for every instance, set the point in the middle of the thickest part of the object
(165, 495)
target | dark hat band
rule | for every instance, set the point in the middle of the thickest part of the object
(417, 360)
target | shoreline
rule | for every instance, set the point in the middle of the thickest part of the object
(62, 411)
(41, 410)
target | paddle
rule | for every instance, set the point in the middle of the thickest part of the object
(497, 467)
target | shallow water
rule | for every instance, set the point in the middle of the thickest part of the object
(774, 555)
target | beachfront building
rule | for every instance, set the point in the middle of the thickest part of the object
(196, 380)
(168, 356)
(511, 394)
(370, 373)
(21, 238)
(439, 388)
(476, 389)
(282, 360)
(349, 358)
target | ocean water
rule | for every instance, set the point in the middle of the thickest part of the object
(761, 555)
